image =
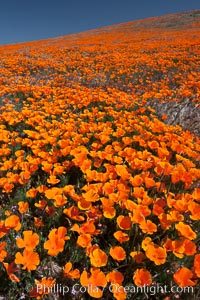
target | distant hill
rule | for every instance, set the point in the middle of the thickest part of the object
(156, 59)
(177, 21)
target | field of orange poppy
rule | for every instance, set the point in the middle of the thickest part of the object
(99, 190)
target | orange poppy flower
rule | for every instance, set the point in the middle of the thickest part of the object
(175, 216)
(73, 213)
(3, 229)
(158, 207)
(139, 214)
(163, 153)
(142, 277)
(104, 138)
(85, 165)
(138, 256)
(138, 192)
(126, 140)
(186, 231)
(58, 169)
(38, 222)
(149, 182)
(3, 253)
(8, 213)
(69, 273)
(24, 177)
(84, 205)
(130, 205)
(23, 207)
(94, 214)
(124, 222)
(31, 193)
(190, 247)
(164, 117)
(194, 209)
(8, 187)
(148, 226)
(93, 282)
(164, 221)
(115, 277)
(91, 195)
(117, 160)
(97, 163)
(59, 201)
(122, 171)
(41, 204)
(181, 247)
(98, 258)
(46, 285)
(156, 254)
(177, 173)
(53, 180)
(52, 192)
(91, 175)
(13, 221)
(153, 144)
(30, 241)
(118, 253)
(183, 277)
(196, 194)
(84, 240)
(87, 227)
(136, 181)
(108, 188)
(197, 265)
(42, 188)
(119, 292)
(29, 259)
(56, 241)
(121, 236)
(187, 179)
(11, 269)
(109, 211)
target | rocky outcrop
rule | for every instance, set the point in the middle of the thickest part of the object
(184, 113)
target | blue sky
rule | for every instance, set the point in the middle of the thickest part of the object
(25, 20)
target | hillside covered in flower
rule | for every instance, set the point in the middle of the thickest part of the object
(100, 163)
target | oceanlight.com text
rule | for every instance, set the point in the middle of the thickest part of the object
(131, 289)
